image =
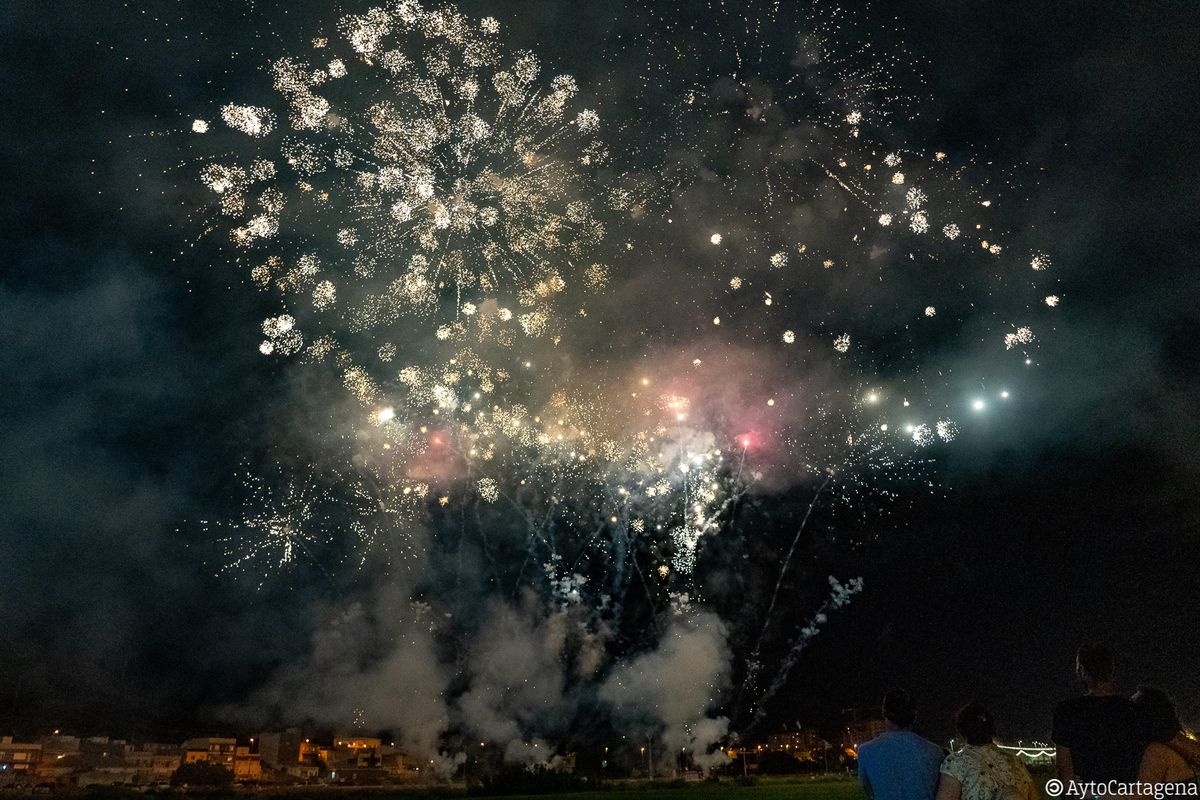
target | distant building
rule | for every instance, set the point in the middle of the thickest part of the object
(355, 752)
(70, 760)
(152, 763)
(314, 754)
(57, 747)
(397, 763)
(18, 760)
(304, 772)
(247, 767)
(356, 760)
(800, 743)
(112, 775)
(101, 751)
(213, 749)
(280, 750)
(60, 760)
(861, 725)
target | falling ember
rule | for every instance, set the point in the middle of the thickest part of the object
(488, 490)
(250, 120)
(1022, 335)
(922, 436)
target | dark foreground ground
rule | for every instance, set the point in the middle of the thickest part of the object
(769, 788)
(791, 788)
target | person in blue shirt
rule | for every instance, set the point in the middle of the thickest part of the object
(898, 764)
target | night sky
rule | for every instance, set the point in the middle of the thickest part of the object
(133, 392)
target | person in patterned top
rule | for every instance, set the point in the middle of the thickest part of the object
(981, 770)
(1162, 761)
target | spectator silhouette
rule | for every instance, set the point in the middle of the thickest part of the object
(1097, 737)
(898, 764)
(1161, 763)
(981, 770)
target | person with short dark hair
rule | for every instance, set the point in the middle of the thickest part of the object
(1161, 763)
(981, 770)
(898, 764)
(1097, 737)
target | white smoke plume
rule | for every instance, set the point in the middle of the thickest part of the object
(674, 689)
(518, 689)
(373, 665)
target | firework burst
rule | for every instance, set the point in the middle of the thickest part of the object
(282, 525)
(437, 220)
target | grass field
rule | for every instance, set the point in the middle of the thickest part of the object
(818, 788)
(764, 788)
